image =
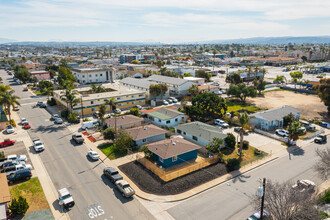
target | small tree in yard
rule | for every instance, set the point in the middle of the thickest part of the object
(134, 111)
(323, 91)
(215, 146)
(109, 133)
(294, 131)
(230, 141)
(147, 152)
(19, 207)
(102, 111)
(123, 142)
(72, 117)
(322, 166)
(288, 119)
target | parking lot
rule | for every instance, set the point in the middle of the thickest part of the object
(17, 148)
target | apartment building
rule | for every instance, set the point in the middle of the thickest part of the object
(93, 75)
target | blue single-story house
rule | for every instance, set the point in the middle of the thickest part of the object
(174, 151)
(146, 134)
(166, 116)
(273, 118)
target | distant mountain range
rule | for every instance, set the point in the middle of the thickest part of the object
(254, 40)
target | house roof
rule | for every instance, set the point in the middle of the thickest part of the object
(165, 113)
(4, 189)
(3, 117)
(276, 113)
(137, 82)
(145, 131)
(123, 120)
(167, 79)
(202, 130)
(172, 147)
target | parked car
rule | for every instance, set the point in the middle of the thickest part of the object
(10, 129)
(38, 145)
(308, 125)
(10, 163)
(304, 186)
(23, 120)
(93, 155)
(174, 100)
(321, 138)
(215, 84)
(54, 116)
(138, 107)
(25, 89)
(112, 174)
(43, 105)
(20, 175)
(117, 111)
(125, 189)
(65, 198)
(16, 168)
(96, 114)
(26, 125)
(17, 157)
(7, 142)
(89, 124)
(39, 103)
(78, 138)
(169, 101)
(221, 123)
(282, 132)
(58, 120)
(256, 216)
(165, 102)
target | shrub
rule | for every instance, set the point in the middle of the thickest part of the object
(19, 207)
(109, 134)
(12, 122)
(72, 118)
(134, 111)
(230, 141)
(325, 199)
(233, 164)
(86, 119)
(245, 145)
(64, 113)
(149, 108)
(2, 155)
(51, 102)
(165, 127)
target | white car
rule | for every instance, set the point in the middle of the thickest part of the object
(54, 116)
(282, 132)
(23, 120)
(170, 101)
(17, 157)
(38, 145)
(165, 102)
(10, 129)
(93, 155)
(17, 167)
(117, 111)
(220, 122)
(58, 121)
(174, 100)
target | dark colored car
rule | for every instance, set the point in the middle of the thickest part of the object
(78, 138)
(112, 174)
(19, 175)
(43, 105)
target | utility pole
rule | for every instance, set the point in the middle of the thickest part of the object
(263, 199)
(82, 108)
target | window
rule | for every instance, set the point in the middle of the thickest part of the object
(96, 80)
(90, 75)
(101, 74)
(195, 138)
(169, 121)
(141, 95)
(83, 81)
(141, 101)
(179, 131)
(184, 133)
(96, 75)
(132, 96)
(161, 159)
(133, 102)
(120, 104)
(176, 119)
(144, 140)
(174, 158)
(93, 109)
(119, 98)
(159, 120)
(92, 102)
(83, 76)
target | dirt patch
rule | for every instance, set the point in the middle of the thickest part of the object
(310, 106)
(150, 183)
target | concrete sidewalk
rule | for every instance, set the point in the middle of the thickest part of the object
(39, 169)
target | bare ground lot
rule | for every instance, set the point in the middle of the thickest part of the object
(310, 106)
(150, 183)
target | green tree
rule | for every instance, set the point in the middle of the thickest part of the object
(109, 133)
(97, 89)
(69, 96)
(297, 75)
(147, 152)
(4, 88)
(52, 74)
(19, 207)
(187, 74)
(215, 145)
(112, 104)
(22, 73)
(279, 79)
(203, 74)
(293, 130)
(158, 89)
(193, 90)
(124, 141)
(230, 141)
(72, 117)
(8, 99)
(288, 119)
(102, 111)
(65, 74)
(323, 91)
(134, 111)
(159, 63)
(259, 84)
(234, 79)
(241, 91)
(243, 120)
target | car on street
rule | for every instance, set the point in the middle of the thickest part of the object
(169, 101)
(215, 84)
(58, 121)
(321, 138)
(7, 142)
(25, 89)
(42, 105)
(125, 189)
(54, 116)
(112, 174)
(10, 129)
(39, 103)
(17, 157)
(165, 102)
(117, 111)
(23, 120)
(304, 186)
(16, 168)
(78, 138)
(174, 100)
(38, 145)
(65, 198)
(282, 132)
(221, 123)
(19, 175)
(138, 107)
(256, 216)
(93, 155)
(26, 125)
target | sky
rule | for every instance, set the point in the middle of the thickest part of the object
(167, 21)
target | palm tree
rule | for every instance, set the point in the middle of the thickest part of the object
(4, 88)
(69, 96)
(243, 119)
(112, 104)
(8, 99)
(193, 90)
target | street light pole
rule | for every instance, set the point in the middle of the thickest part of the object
(262, 199)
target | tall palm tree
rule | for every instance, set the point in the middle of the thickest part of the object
(69, 96)
(112, 104)
(4, 88)
(8, 99)
(244, 120)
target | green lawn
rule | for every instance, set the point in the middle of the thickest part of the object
(108, 149)
(235, 106)
(33, 192)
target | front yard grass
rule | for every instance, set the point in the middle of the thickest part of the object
(248, 155)
(235, 106)
(109, 149)
(33, 192)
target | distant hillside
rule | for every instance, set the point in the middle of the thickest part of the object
(5, 40)
(273, 40)
(88, 43)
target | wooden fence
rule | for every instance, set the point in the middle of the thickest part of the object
(178, 170)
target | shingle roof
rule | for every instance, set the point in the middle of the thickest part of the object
(145, 132)
(165, 113)
(167, 79)
(143, 83)
(123, 120)
(276, 113)
(202, 130)
(172, 147)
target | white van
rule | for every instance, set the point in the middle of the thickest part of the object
(89, 124)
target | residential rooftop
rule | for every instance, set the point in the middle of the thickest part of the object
(276, 113)
(165, 113)
(145, 131)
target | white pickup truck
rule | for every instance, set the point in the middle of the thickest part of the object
(38, 145)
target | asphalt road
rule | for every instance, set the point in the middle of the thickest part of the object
(231, 200)
(95, 197)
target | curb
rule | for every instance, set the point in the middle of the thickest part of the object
(178, 200)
